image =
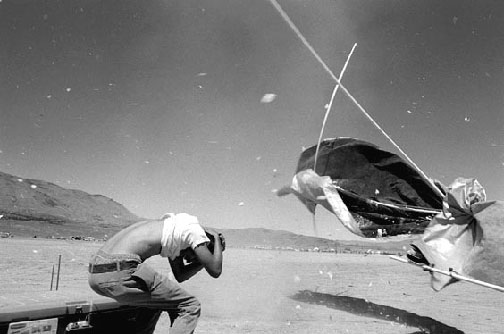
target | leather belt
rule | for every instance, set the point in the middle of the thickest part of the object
(113, 266)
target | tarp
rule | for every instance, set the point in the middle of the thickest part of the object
(370, 190)
(466, 237)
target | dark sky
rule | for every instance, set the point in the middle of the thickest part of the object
(157, 104)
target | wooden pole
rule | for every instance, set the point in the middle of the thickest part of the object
(52, 277)
(329, 107)
(58, 275)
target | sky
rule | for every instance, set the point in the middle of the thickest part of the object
(160, 104)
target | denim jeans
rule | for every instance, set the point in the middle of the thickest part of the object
(143, 286)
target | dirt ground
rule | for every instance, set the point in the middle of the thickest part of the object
(264, 291)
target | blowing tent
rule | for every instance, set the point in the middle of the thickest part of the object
(371, 190)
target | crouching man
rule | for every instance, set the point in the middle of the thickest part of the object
(118, 270)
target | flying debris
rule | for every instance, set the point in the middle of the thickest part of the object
(268, 98)
(368, 189)
(275, 172)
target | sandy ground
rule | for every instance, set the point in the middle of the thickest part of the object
(277, 291)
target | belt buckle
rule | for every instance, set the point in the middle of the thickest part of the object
(125, 265)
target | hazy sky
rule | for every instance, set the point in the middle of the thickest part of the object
(157, 104)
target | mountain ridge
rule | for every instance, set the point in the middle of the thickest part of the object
(36, 202)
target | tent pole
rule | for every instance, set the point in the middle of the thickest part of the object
(450, 273)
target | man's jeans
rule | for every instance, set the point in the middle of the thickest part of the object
(143, 286)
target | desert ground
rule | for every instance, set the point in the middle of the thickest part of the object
(268, 291)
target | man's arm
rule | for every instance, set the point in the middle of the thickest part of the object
(204, 259)
(211, 262)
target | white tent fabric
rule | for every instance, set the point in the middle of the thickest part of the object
(312, 189)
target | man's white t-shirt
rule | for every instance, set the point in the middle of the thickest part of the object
(181, 231)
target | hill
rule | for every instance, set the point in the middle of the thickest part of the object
(30, 207)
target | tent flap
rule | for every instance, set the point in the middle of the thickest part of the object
(467, 236)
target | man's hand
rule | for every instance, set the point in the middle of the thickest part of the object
(222, 241)
(215, 237)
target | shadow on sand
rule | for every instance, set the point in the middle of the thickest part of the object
(364, 308)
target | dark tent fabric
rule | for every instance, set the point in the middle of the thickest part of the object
(380, 190)
(363, 168)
